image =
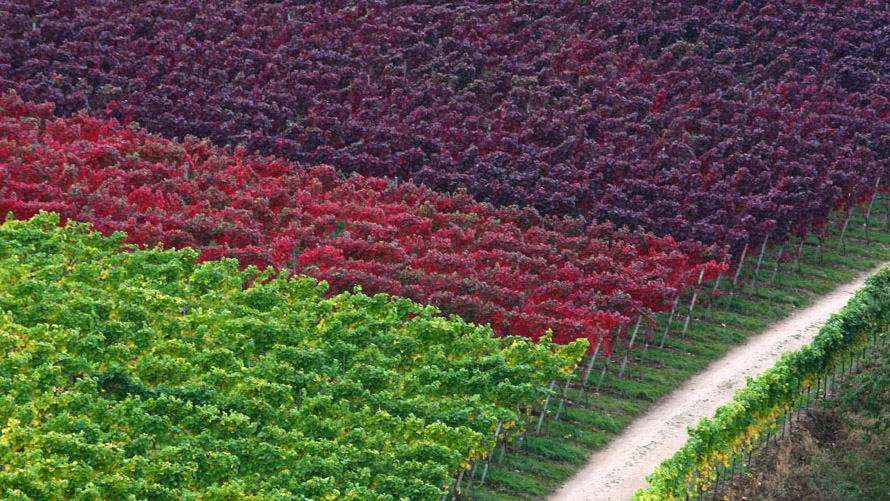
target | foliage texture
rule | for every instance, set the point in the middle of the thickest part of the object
(144, 374)
(501, 266)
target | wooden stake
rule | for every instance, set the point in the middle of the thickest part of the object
(648, 340)
(599, 384)
(714, 291)
(592, 360)
(472, 476)
(692, 303)
(488, 460)
(630, 345)
(798, 264)
(670, 320)
(562, 399)
(871, 204)
(504, 447)
(543, 411)
(738, 271)
(759, 262)
(456, 488)
(841, 244)
(717, 284)
(778, 260)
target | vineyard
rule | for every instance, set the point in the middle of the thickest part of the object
(146, 374)
(380, 240)
(770, 401)
(486, 264)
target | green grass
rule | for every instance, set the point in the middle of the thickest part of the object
(590, 419)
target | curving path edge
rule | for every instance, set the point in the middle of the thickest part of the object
(617, 471)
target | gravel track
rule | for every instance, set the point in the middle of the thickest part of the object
(616, 472)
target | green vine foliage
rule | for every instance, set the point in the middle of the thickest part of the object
(755, 408)
(144, 374)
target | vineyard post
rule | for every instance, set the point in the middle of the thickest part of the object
(871, 204)
(648, 341)
(841, 244)
(497, 432)
(732, 472)
(716, 486)
(667, 329)
(630, 345)
(562, 400)
(456, 488)
(592, 360)
(543, 411)
(829, 383)
(806, 405)
(769, 433)
(692, 303)
(798, 263)
(834, 386)
(738, 271)
(789, 418)
(471, 477)
(716, 285)
(772, 279)
(759, 262)
(519, 443)
(504, 447)
(599, 383)
(713, 292)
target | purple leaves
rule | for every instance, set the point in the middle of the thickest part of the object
(684, 118)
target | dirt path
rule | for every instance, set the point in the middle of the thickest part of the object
(614, 473)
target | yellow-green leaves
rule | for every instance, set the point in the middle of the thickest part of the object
(146, 374)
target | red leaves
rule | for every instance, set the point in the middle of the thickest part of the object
(509, 267)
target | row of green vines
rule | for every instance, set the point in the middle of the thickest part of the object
(755, 410)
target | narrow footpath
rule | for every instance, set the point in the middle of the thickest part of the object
(616, 472)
